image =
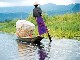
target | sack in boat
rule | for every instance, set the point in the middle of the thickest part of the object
(24, 28)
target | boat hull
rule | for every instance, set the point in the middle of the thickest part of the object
(31, 40)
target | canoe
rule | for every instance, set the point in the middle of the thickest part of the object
(36, 39)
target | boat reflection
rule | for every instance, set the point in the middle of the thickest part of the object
(26, 51)
(31, 52)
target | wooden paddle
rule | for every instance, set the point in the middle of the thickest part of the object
(49, 37)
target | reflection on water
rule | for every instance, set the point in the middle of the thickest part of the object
(64, 49)
(42, 54)
(26, 52)
(31, 52)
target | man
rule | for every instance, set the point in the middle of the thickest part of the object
(37, 13)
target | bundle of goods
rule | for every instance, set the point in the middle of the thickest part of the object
(24, 28)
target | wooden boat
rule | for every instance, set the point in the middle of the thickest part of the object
(35, 40)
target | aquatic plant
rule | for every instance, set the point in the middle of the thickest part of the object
(61, 26)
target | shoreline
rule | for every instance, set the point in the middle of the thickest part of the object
(57, 38)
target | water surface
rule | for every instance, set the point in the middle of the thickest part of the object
(63, 49)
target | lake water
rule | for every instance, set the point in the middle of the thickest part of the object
(63, 49)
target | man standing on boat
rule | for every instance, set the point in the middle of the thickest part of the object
(37, 13)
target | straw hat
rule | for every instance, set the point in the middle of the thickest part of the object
(36, 3)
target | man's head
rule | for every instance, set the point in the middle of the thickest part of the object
(36, 4)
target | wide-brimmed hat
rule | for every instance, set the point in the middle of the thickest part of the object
(36, 3)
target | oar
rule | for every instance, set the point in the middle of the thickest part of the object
(49, 37)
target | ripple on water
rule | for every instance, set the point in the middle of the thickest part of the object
(63, 49)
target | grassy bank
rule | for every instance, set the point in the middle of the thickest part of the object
(8, 27)
(67, 25)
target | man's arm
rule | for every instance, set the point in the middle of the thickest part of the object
(40, 11)
(34, 14)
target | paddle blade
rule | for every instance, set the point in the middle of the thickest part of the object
(49, 37)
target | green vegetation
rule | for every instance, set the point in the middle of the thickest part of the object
(8, 26)
(67, 25)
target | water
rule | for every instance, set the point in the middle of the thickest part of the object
(63, 49)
